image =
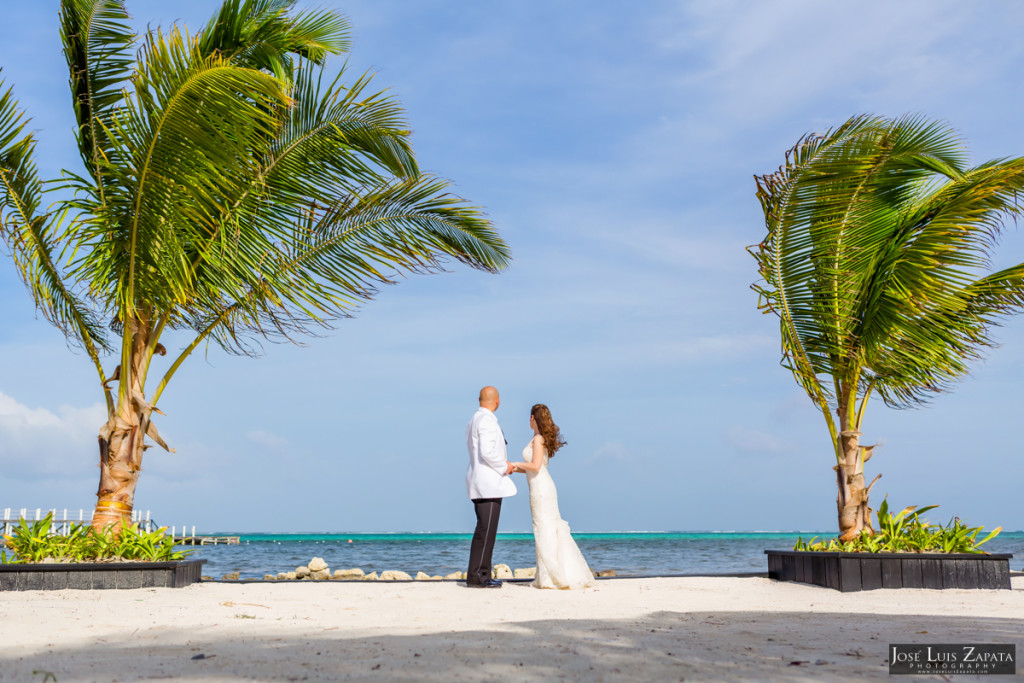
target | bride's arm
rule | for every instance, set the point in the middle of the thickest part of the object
(538, 456)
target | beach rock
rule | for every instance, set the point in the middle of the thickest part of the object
(322, 575)
(423, 576)
(230, 576)
(282, 575)
(348, 574)
(437, 578)
(606, 572)
(204, 577)
(269, 577)
(372, 576)
(394, 576)
(317, 564)
(302, 571)
(458, 576)
(526, 573)
(501, 571)
(291, 576)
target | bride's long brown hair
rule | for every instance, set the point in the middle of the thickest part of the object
(547, 428)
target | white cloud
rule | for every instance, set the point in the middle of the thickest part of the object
(40, 443)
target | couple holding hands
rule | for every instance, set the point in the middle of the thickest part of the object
(560, 564)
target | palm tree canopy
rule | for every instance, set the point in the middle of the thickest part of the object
(228, 187)
(879, 238)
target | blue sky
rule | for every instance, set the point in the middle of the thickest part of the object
(614, 150)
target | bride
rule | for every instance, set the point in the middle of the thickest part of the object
(560, 563)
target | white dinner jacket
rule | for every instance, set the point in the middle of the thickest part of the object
(486, 477)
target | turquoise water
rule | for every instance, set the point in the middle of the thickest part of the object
(629, 554)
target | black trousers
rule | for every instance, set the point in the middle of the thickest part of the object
(487, 512)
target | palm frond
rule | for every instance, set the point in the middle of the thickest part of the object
(262, 34)
(97, 45)
(340, 255)
(189, 132)
(33, 236)
(877, 233)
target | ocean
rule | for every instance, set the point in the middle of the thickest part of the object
(629, 554)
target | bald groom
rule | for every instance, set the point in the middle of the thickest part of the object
(487, 482)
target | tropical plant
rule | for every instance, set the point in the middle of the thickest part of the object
(36, 542)
(228, 190)
(906, 532)
(879, 236)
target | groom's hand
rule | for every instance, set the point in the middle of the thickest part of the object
(509, 468)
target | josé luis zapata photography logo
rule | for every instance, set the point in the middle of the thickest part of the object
(952, 659)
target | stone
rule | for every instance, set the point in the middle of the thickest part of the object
(423, 576)
(204, 577)
(458, 576)
(291, 576)
(394, 576)
(348, 574)
(322, 575)
(525, 573)
(317, 564)
(501, 571)
(302, 571)
(437, 578)
(230, 576)
(282, 575)
(269, 577)
(372, 576)
(606, 572)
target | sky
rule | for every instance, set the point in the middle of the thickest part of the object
(614, 148)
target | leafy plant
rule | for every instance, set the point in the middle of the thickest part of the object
(906, 532)
(34, 542)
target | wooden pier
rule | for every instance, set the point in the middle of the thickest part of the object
(207, 540)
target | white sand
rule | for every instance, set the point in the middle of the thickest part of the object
(627, 629)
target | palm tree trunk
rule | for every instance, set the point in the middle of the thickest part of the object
(852, 501)
(122, 441)
(120, 461)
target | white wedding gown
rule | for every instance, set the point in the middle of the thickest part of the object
(560, 563)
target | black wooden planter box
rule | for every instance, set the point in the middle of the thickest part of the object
(867, 571)
(90, 575)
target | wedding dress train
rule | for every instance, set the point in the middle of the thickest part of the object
(560, 564)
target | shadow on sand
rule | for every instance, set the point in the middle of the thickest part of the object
(663, 646)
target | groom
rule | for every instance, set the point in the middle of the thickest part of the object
(487, 482)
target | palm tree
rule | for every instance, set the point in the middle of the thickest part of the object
(875, 261)
(228, 190)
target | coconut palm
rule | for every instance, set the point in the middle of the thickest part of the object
(228, 189)
(875, 261)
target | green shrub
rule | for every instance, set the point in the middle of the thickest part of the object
(34, 543)
(906, 532)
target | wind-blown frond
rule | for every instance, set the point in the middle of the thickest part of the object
(877, 236)
(262, 34)
(97, 45)
(340, 255)
(33, 236)
(189, 131)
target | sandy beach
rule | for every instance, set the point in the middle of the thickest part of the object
(671, 629)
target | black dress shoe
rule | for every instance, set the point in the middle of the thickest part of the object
(489, 583)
